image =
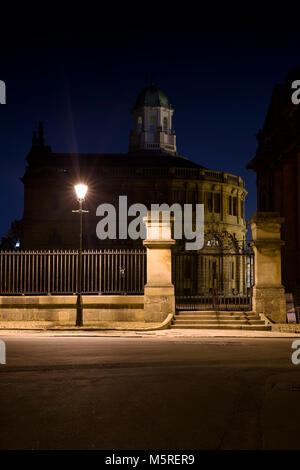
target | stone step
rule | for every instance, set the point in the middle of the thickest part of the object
(213, 321)
(218, 317)
(215, 312)
(207, 326)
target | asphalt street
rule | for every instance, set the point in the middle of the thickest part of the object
(143, 392)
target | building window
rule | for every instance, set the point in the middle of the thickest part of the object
(242, 209)
(234, 205)
(165, 125)
(140, 124)
(209, 201)
(213, 201)
(152, 124)
(192, 198)
(180, 197)
(217, 203)
(230, 205)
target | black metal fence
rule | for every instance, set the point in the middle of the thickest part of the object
(56, 272)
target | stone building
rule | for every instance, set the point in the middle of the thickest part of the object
(151, 172)
(277, 165)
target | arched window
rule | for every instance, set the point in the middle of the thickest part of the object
(209, 201)
(217, 203)
(140, 124)
(230, 205)
(166, 125)
(152, 123)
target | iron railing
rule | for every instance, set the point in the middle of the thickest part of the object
(215, 301)
(56, 272)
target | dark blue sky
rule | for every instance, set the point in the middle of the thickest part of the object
(82, 82)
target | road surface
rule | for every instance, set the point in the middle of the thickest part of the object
(143, 392)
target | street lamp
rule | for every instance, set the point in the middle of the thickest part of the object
(81, 190)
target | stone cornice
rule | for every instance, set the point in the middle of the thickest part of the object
(159, 243)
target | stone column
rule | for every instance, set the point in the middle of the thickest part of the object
(159, 296)
(268, 292)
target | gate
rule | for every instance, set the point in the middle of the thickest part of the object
(214, 280)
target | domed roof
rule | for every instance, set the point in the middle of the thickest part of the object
(152, 96)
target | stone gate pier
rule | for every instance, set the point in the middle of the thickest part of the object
(268, 291)
(159, 295)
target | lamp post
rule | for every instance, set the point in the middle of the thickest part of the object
(81, 190)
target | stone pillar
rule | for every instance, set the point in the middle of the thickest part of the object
(159, 295)
(268, 292)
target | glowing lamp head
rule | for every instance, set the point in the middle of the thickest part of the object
(81, 190)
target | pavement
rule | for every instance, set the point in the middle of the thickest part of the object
(167, 333)
(141, 328)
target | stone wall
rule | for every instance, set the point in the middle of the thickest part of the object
(61, 309)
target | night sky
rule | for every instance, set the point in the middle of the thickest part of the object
(81, 75)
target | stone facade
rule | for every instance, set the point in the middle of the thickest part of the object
(277, 165)
(48, 222)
